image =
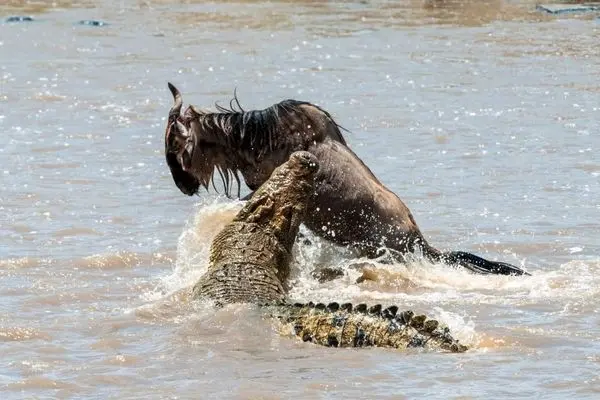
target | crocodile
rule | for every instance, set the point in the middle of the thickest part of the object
(250, 260)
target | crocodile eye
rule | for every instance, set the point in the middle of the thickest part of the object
(303, 156)
(304, 161)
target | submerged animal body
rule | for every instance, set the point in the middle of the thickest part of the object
(250, 260)
(350, 206)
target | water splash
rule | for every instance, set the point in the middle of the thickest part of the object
(193, 247)
(449, 294)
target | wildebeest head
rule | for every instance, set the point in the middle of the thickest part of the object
(193, 152)
(233, 141)
(179, 148)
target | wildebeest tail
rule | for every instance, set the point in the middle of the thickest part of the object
(481, 265)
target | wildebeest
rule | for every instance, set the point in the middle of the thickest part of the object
(350, 207)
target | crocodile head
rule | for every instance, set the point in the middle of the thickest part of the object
(280, 203)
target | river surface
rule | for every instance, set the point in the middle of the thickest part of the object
(483, 116)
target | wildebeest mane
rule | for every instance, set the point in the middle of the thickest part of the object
(259, 131)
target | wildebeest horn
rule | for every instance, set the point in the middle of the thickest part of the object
(176, 109)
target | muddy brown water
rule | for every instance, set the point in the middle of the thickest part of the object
(482, 115)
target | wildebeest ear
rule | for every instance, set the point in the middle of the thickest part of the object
(185, 181)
